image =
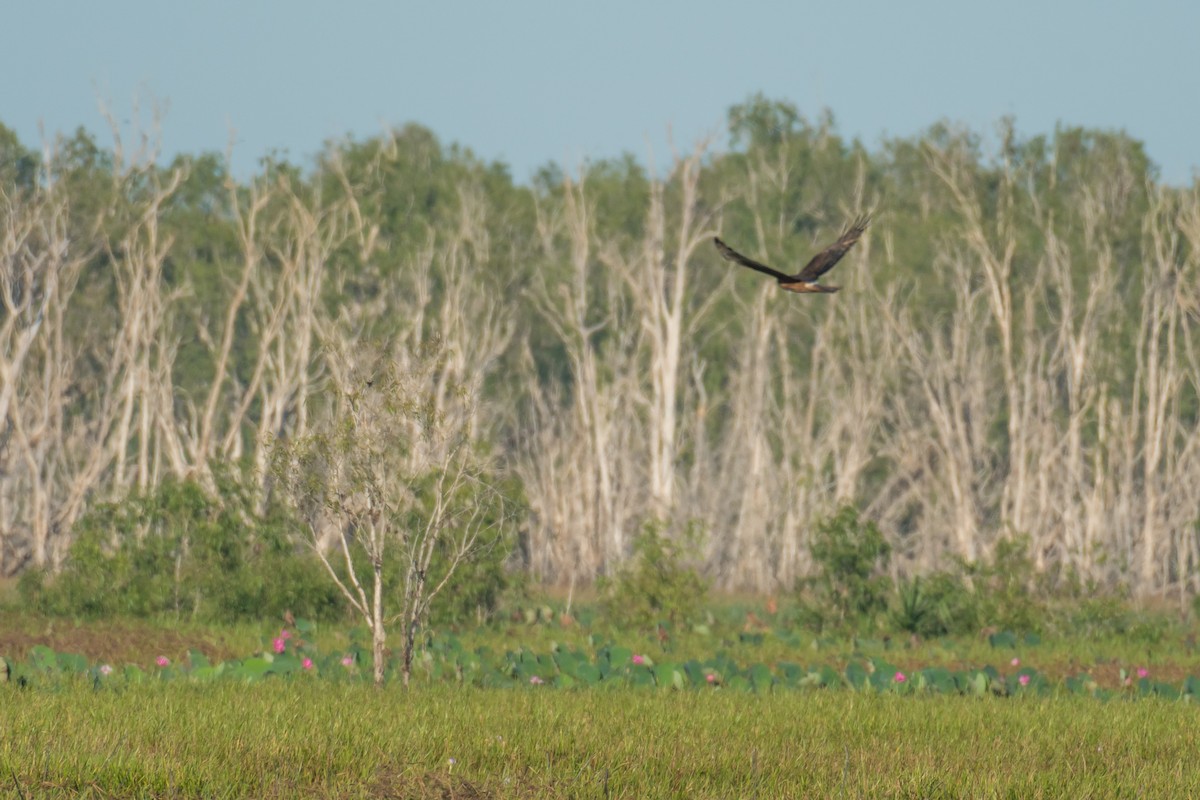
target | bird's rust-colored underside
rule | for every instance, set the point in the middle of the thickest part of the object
(804, 281)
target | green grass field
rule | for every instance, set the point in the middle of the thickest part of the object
(171, 733)
(307, 735)
(306, 738)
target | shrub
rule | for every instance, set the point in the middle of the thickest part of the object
(1009, 594)
(939, 604)
(1112, 615)
(848, 587)
(655, 585)
(479, 584)
(1003, 592)
(179, 550)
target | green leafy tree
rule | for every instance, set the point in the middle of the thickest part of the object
(18, 164)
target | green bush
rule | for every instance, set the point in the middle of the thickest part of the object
(655, 585)
(939, 604)
(178, 550)
(1002, 592)
(481, 582)
(1006, 592)
(1111, 615)
(1009, 593)
(849, 585)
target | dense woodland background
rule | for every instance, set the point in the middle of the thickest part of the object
(1014, 352)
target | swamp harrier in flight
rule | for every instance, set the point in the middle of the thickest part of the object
(806, 279)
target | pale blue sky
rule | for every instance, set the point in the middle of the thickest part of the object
(532, 82)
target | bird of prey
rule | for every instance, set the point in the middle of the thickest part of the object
(806, 279)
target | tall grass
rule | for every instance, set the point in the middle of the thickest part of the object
(311, 738)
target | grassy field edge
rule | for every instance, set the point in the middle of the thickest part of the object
(313, 739)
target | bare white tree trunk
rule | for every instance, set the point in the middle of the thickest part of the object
(995, 258)
(584, 498)
(38, 273)
(657, 271)
(1157, 384)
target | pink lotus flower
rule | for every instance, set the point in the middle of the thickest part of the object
(347, 660)
(279, 644)
(639, 659)
(284, 633)
(900, 677)
(307, 663)
(1023, 680)
(1016, 662)
(711, 677)
(1142, 672)
(162, 661)
(105, 669)
(536, 681)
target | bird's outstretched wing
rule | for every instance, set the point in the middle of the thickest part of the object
(733, 255)
(823, 261)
